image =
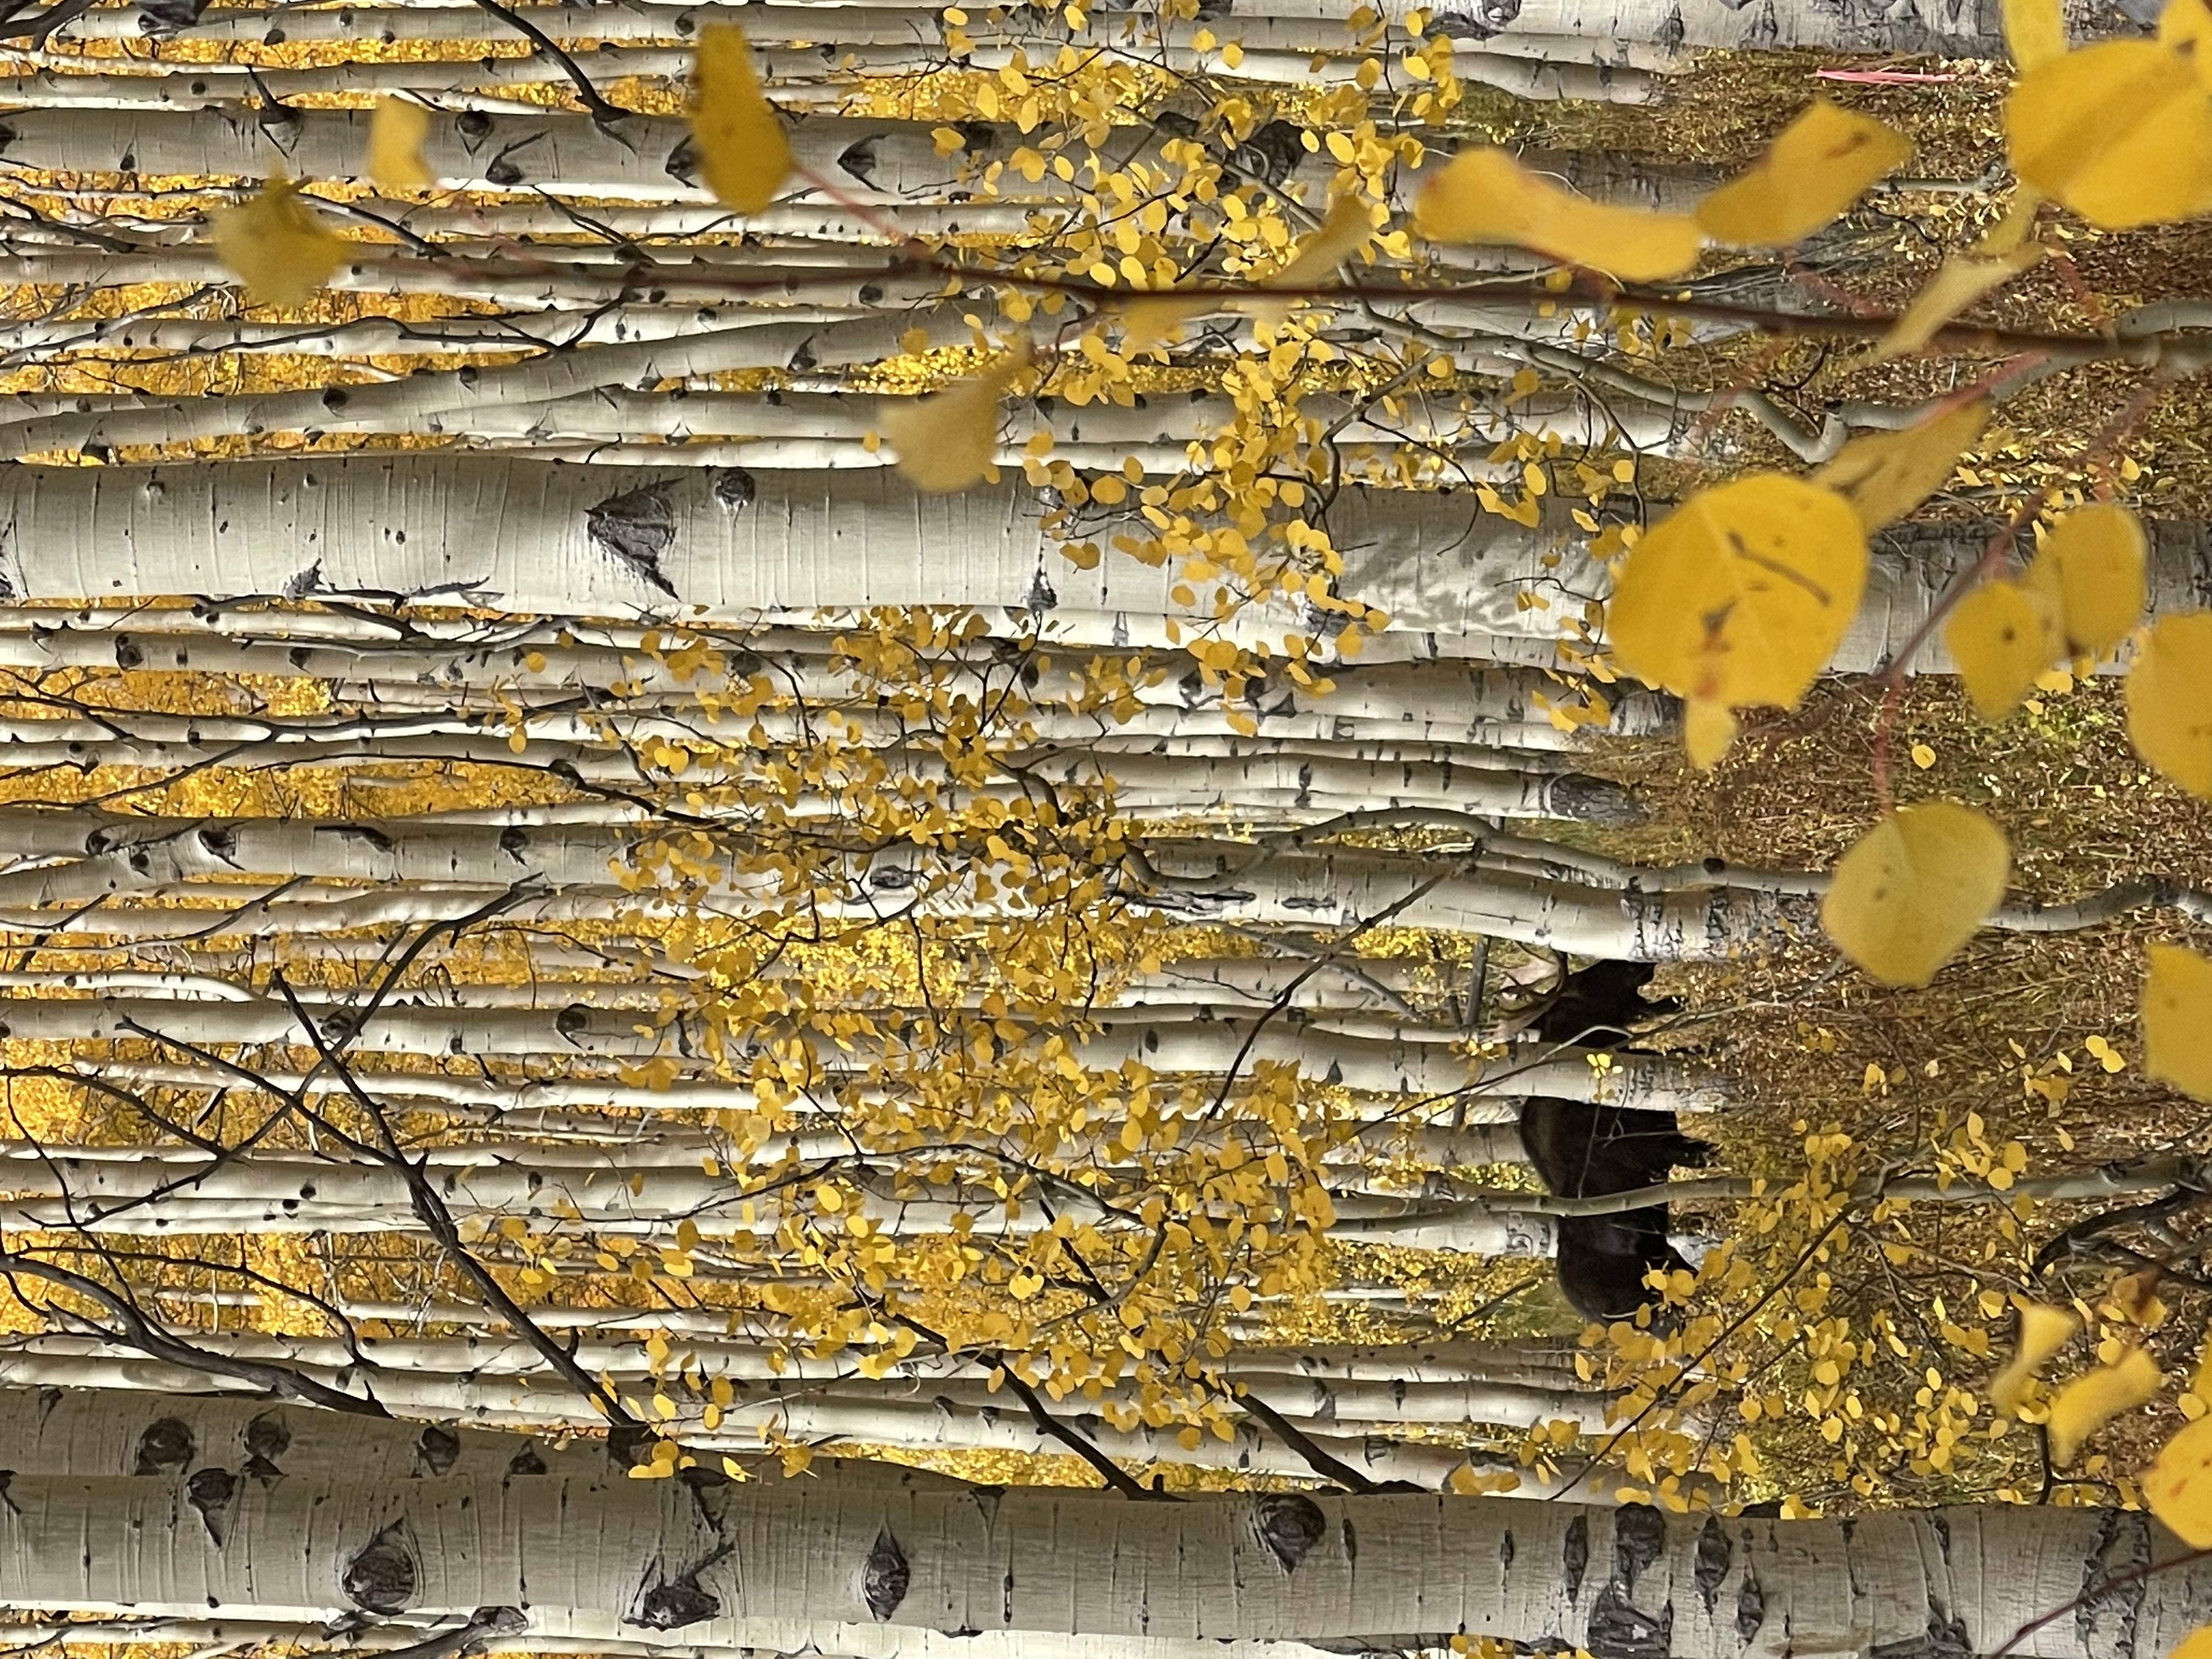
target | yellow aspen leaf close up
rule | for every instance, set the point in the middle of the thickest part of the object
(2179, 1487)
(2169, 696)
(1822, 163)
(277, 246)
(2197, 1644)
(2096, 1397)
(2096, 561)
(1486, 195)
(743, 156)
(1962, 279)
(1884, 475)
(1341, 235)
(2177, 1010)
(396, 131)
(2043, 1330)
(2120, 131)
(945, 441)
(2001, 636)
(1914, 888)
(2035, 32)
(1739, 596)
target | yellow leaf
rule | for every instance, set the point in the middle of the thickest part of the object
(2120, 131)
(2170, 699)
(2095, 560)
(944, 441)
(1342, 234)
(1708, 729)
(1914, 890)
(2002, 635)
(2186, 26)
(1823, 161)
(2034, 32)
(2095, 1398)
(1739, 596)
(1486, 195)
(2177, 1009)
(2042, 1331)
(1884, 475)
(1962, 280)
(1147, 322)
(2179, 1489)
(395, 134)
(277, 246)
(743, 156)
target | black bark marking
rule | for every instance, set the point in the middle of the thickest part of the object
(734, 489)
(1711, 1562)
(672, 1607)
(885, 1577)
(1505, 1549)
(167, 1445)
(267, 1439)
(1620, 1631)
(2123, 1551)
(1351, 1544)
(211, 1492)
(1750, 1607)
(1290, 1524)
(1594, 800)
(634, 529)
(384, 1576)
(1574, 1557)
(629, 1445)
(526, 1461)
(666, 1603)
(1639, 1538)
(438, 1449)
(1946, 1639)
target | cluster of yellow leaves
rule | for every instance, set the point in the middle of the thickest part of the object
(2081, 595)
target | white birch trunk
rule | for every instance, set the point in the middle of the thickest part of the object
(580, 540)
(882, 1575)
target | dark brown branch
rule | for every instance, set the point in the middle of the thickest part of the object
(430, 1210)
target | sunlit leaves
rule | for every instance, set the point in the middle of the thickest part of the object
(2002, 635)
(2170, 699)
(2093, 1399)
(1348, 227)
(2044, 1331)
(2096, 560)
(2179, 1487)
(743, 154)
(2083, 592)
(2120, 131)
(1739, 597)
(395, 134)
(1486, 195)
(2177, 1014)
(945, 441)
(1884, 475)
(1914, 888)
(1823, 161)
(277, 245)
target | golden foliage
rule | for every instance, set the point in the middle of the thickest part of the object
(1915, 889)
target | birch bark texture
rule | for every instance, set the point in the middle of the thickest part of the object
(874, 1574)
(581, 540)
